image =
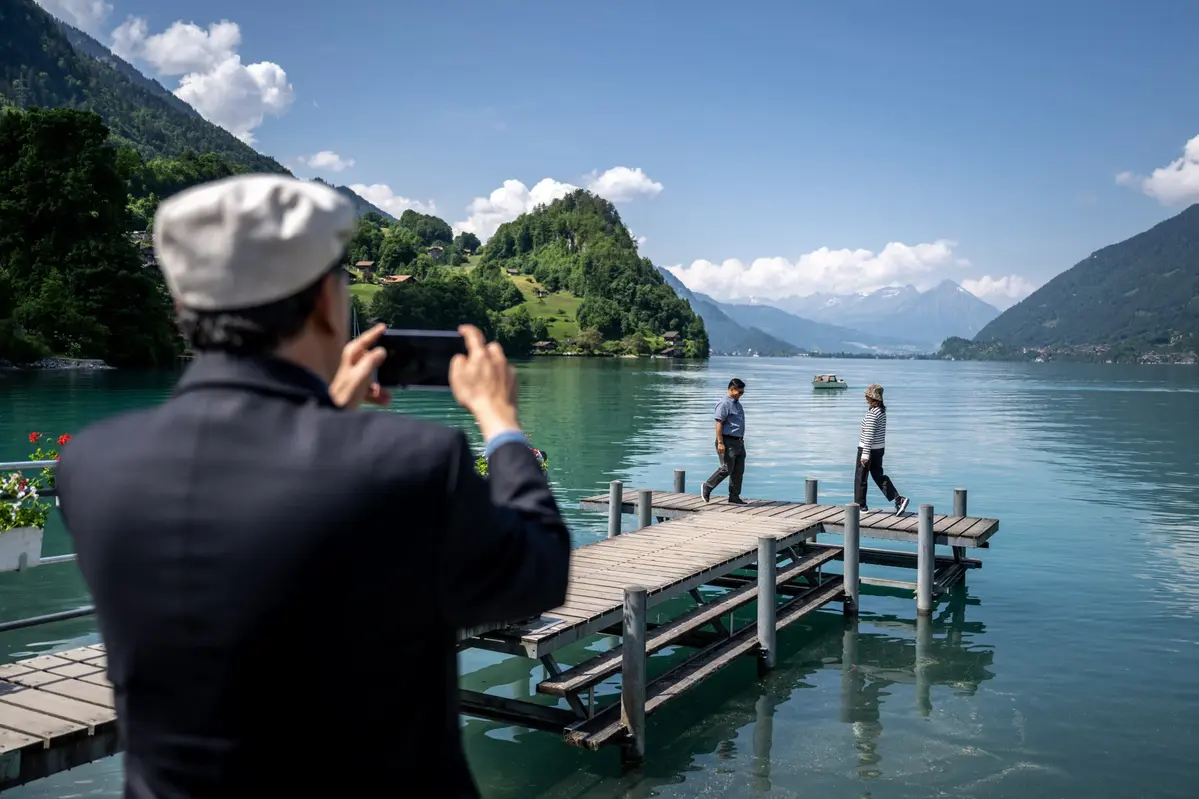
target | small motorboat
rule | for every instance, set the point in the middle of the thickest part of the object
(828, 382)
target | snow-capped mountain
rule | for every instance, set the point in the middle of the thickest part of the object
(900, 311)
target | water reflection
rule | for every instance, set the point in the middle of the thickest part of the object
(726, 731)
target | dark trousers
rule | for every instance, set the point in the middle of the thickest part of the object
(732, 466)
(875, 470)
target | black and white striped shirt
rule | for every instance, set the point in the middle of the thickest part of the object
(874, 430)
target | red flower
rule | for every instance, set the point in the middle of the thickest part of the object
(55, 457)
(23, 484)
(64, 439)
(34, 437)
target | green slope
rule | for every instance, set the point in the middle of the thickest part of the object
(1142, 292)
(40, 67)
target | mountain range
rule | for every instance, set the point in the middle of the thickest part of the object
(740, 329)
(898, 312)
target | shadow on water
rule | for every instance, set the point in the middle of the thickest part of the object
(724, 729)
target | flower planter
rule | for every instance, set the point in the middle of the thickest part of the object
(20, 548)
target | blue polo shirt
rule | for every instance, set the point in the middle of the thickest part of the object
(730, 412)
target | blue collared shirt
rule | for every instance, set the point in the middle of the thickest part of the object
(730, 412)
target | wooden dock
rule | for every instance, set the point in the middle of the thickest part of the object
(56, 713)
(723, 580)
(762, 552)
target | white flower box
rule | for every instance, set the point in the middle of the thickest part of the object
(20, 548)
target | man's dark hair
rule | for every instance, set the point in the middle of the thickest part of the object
(251, 331)
(737, 383)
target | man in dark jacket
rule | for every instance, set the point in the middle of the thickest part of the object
(279, 578)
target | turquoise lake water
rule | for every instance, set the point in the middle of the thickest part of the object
(1068, 667)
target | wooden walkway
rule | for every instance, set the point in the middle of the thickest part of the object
(668, 559)
(961, 531)
(56, 713)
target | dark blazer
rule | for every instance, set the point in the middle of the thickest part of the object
(279, 583)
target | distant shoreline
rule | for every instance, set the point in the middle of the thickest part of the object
(57, 365)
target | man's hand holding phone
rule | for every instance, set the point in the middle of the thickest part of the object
(485, 384)
(354, 382)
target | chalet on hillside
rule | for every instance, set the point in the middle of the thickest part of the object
(512, 270)
(672, 337)
(542, 293)
(367, 268)
(392, 280)
(435, 251)
(671, 352)
(544, 346)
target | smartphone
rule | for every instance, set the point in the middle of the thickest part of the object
(419, 358)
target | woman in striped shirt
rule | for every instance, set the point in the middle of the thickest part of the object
(871, 446)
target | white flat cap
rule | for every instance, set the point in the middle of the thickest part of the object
(249, 240)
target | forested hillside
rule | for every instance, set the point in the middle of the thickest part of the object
(579, 244)
(1142, 293)
(39, 67)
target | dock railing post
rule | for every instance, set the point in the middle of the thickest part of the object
(680, 481)
(645, 508)
(959, 509)
(615, 507)
(767, 630)
(925, 561)
(851, 555)
(632, 675)
(809, 492)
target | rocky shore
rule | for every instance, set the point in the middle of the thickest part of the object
(56, 363)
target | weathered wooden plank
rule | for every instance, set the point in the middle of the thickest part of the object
(63, 707)
(75, 670)
(83, 691)
(44, 662)
(33, 679)
(33, 722)
(13, 741)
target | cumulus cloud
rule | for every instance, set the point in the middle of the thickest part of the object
(327, 160)
(86, 15)
(485, 214)
(836, 271)
(999, 291)
(212, 77)
(621, 184)
(381, 196)
(1177, 183)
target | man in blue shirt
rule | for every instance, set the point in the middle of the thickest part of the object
(730, 444)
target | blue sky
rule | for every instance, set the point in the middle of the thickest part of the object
(979, 140)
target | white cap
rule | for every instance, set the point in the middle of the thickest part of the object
(249, 240)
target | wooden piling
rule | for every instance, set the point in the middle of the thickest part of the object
(809, 493)
(680, 481)
(615, 507)
(645, 508)
(767, 629)
(851, 555)
(926, 561)
(959, 502)
(851, 678)
(632, 675)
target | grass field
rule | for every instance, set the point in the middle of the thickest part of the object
(365, 292)
(559, 310)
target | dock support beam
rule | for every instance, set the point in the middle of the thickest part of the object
(851, 555)
(767, 609)
(632, 675)
(680, 481)
(645, 508)
(809, 491)
(926, 561)
(615, 507)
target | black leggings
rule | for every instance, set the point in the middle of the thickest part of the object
(875, 470)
